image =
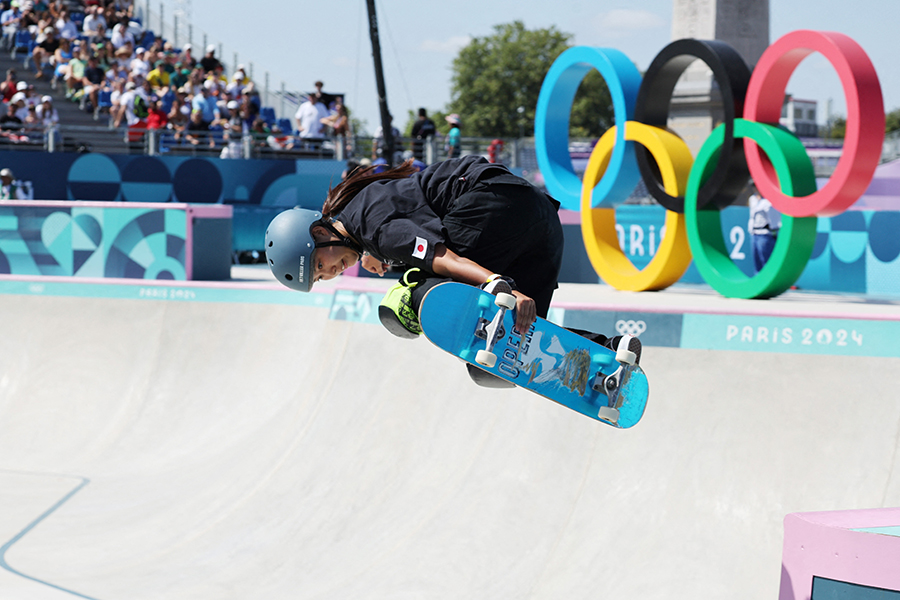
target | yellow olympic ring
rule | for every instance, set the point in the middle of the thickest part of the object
(598, 225)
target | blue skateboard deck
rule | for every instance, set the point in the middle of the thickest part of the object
(549, 360)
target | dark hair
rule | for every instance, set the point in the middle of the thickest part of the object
(422, 112)
(340, 195)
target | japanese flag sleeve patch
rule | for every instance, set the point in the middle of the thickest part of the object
(420, 248)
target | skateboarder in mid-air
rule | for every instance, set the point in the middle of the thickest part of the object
(465, 220)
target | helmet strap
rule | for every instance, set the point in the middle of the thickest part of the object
(343, 241)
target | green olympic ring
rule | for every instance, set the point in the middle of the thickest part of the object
(796, 238)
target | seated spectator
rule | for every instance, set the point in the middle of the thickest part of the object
(98, 39)
(179, 77)
(47, 113)
(11, 121)
(60, 60)
(9, 21)
(117, 73)
(106, 54)
(157, 117)
(209, 62)
(32, 121)
(124, 9)
(94, 21)
(121, 36)
(260, 130)
(158, 78)
(197, 130)
(194, 82)
(75, 72)
(234, 132)
(21, 106)
(44, 50)
(8, 87)
(179, 115)
(91, 82)
(205, 104)
(124, 56)
(252, 95)
(218, 76)
(55, 8)
(27, 91)
(248, 112)
(236, 85)
(280, 140)
(140, 63)
(187, 59)
(109, 13)
(66, 29)
(169, 61)
(118, 88)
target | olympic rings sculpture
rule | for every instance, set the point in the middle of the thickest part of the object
(748, 143)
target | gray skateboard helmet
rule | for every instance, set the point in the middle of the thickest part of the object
(290, 245)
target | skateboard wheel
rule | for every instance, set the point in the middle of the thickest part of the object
(626, 357)
(609, 414)
(507, 301)
(486, 359)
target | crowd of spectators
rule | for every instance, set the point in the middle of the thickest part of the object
(105, 61)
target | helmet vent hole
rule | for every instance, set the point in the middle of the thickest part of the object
(288, 277)
(270, 243)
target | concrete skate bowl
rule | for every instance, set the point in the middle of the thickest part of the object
(168, 449)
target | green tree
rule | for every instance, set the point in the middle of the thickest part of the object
(838, 128)
(497, 79)
(892, 121)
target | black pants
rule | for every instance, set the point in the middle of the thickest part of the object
(508, 227)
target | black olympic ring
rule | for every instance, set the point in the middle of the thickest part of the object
(732, 75)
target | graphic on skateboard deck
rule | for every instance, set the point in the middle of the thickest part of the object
(548, 360)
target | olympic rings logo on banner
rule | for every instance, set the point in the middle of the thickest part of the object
(694, 190)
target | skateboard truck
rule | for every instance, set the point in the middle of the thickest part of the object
(493, 331)
(609, 384)
(482, 332)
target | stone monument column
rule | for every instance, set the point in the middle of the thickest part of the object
(696, 106)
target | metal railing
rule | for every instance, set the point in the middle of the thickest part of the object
(515, 153)
(108, 139)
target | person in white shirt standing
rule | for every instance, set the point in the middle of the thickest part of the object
(129, 109)
(764, 224)
(309, 118)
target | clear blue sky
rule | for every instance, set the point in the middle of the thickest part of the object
(299, 42)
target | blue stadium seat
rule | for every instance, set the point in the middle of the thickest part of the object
(22, 43)
(286, 125)
(148, 39)
(104, 102)
(267, 114)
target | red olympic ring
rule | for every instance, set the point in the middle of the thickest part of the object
(865, 119)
